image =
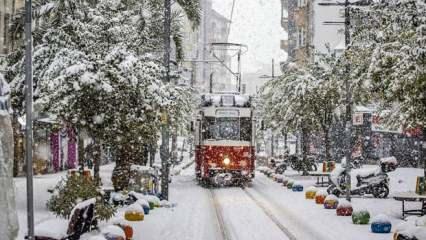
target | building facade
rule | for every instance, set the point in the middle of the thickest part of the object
(7, 10)
(213, 29)
(314, 27)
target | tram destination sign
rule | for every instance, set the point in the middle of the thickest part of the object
(227, 113)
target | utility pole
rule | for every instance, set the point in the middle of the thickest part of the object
(348, 114)
(29, 117)
(348, 90)
(165, 135)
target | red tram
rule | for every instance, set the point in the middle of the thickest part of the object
(224, 139)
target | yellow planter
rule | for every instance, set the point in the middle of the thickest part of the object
(134, 216)
(311, 192)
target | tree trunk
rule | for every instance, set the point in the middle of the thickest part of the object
(96, 161)
(152, 152)
(327, 144)
(174, 147)
(81, 151)
(9, 224)
(145, 154)
(305, 148)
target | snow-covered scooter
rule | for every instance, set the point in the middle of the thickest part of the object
(373, 181)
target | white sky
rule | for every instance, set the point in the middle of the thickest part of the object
(256, 23)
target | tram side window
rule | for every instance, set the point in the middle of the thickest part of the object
(209, 128)
(246, 128)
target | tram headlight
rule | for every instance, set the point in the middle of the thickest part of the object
(226, 161)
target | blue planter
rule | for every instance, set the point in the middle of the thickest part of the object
(145, 209)
(381, 227)
(297, 188)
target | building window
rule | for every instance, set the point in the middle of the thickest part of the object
(301, 3)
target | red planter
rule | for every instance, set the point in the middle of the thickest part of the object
(344, 211)
(319, 199)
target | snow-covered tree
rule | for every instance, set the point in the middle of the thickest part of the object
(303, 98)
(98, 67)
(393, 34)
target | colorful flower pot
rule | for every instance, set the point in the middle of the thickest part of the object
(297, 187)
(310, 192)
(128, 230)
(320, 197)
(344, 208)
(361, 217)
(134, 212)
(381, 227)
(381, 224)
(134, 216)
(331, 202)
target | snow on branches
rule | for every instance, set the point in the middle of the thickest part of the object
(395, 40)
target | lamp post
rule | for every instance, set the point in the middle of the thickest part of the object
(29, 120)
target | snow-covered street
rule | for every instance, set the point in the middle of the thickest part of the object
(265, 210)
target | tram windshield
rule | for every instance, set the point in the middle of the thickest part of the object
(227, 128)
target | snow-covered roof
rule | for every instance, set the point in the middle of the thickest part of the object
(364, 109)
(225, 100)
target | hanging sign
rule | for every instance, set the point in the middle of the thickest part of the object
(358, 119)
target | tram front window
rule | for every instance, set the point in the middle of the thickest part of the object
(227, 128)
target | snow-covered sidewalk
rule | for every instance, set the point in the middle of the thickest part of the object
(308, 220)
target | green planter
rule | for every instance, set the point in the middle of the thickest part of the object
(361, 217)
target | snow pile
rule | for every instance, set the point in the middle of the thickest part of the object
(380, 218)
(312, 189)
(331, 197)
(152, 198)
(116, 196)
(83, 204)
(167, 204)
(98, 237)
(296, 183)
(322, 193)
(367, 172)
(142, 202)
(45, 229)
(140, 168)
(241, 100)
(135, 207)
(389, 160)
(343, 203)
(113, 232)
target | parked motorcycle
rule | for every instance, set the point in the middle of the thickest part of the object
(375, 182)
(281, 167)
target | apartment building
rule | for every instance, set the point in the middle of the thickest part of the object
(314, 27)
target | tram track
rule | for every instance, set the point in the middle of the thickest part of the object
(221, 223)
(270, 215)
(223, 227)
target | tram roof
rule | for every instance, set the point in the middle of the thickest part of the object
(226, 100)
